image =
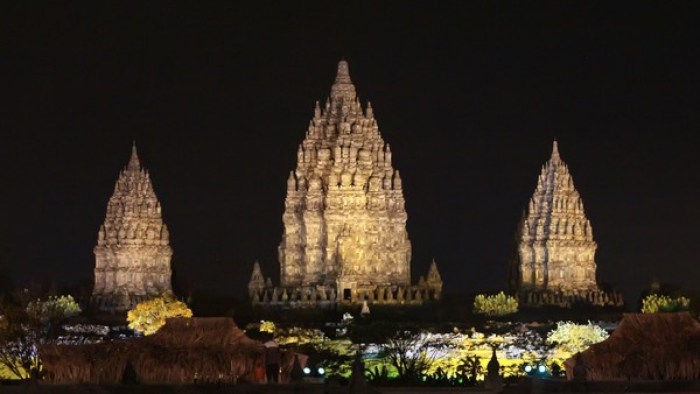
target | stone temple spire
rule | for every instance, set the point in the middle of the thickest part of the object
(555, 153)
(345, 219)
(556, 247)
(343, 90)
(434, 279)
(134, 163)
(132, 256)
(257, 280)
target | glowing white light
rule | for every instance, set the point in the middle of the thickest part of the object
(528, 368)
(321, 371)
(541, 368)
(307, 370)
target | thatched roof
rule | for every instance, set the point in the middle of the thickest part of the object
(646, 346)
(95, 363)
(200, 349)
(185, 350)
(201, 332)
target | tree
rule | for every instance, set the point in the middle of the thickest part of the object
(51, 312)
(18, 339)
(495, 305)
(655, 303)
(24, 325)
(150, 315)
(267, 326)
(411, 354)
(572, 338)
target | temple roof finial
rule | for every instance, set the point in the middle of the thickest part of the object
(134, 163)
(343, 75)
(343, 87)
(256, 268)
(555, 151)
(433, 266)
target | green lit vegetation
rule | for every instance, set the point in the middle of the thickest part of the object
(495, 305)
(23, 325)
(53, 308)
(655, 303)
(570, 338)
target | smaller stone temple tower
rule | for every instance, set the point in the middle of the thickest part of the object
(556, 250)
(434, 280)
(132, 256)
(257, 281)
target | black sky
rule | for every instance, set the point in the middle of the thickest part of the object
(218, 95)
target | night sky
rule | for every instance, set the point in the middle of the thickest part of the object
(218, 96)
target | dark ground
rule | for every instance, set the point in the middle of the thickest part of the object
(539, 386)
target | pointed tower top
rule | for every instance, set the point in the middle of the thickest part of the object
(370, 110)
(433, 273)
(343, 87)
(317, 111)
(257, 275)
(343, 75)
(257, 281)
(134, 163)
(555, 152)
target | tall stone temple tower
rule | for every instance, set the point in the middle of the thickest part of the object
(132, 256)
(345, 238)
(556, 250)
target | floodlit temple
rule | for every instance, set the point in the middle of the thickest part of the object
(556, 250)
(345, 238)
(132, 256)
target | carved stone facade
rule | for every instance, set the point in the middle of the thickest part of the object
(345, 236)
(556, 249)
(132, 256)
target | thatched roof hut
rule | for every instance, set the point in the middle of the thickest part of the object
(657, 346)
(95, 363)
(184, 351)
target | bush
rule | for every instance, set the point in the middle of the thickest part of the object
(495, 305)
(267, 326)
(149, 316)
(572, 338)
(53, 308)
(659, 303)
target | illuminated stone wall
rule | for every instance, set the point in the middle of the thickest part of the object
(132, 256)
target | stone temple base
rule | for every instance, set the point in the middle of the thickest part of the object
(328, 298)
(568, 299)
(117, 302)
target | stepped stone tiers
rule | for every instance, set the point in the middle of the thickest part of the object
(556, 249)
(345, 236)
(132, 256)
